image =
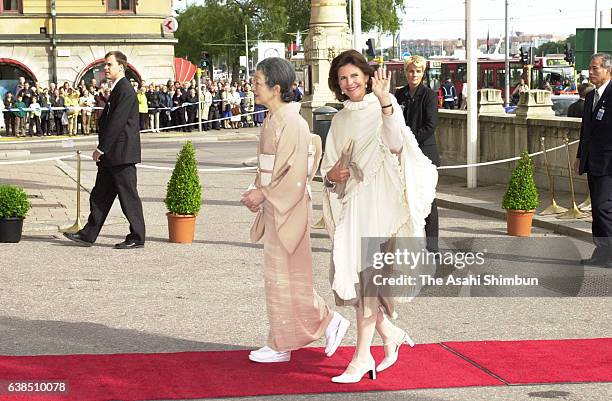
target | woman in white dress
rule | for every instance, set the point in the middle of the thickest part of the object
(388, 185)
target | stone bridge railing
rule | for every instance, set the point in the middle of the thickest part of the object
(501, 136)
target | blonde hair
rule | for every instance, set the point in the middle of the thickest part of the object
(418, 61)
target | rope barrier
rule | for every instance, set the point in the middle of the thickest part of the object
(489, 163)
(202, 170)
(47, 159)
(146, 166)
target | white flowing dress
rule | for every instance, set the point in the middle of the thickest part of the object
(391, 201)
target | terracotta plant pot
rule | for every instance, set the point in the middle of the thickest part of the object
(518, 222)
(181, 228)
(11, 229)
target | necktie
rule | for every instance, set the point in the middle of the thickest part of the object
(595, 99)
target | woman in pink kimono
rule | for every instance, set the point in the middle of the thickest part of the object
(297, 314)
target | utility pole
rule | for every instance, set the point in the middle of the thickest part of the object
(595, 42)
(53, 42)
(472, 112)
(357, 26)
(507, 60)
(350, 7)
(246, 51)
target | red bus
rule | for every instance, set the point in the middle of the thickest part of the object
(491, 73)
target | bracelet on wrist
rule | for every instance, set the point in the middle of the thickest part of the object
(387, 106)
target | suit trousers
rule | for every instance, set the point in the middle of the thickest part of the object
(431, 228)
(112, 182)
(600, 189)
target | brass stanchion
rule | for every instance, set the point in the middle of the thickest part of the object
(574, 212)
(77, 224)
(586, 205)
(553, 208)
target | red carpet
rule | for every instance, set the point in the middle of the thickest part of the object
(230, 374)
(542, 361)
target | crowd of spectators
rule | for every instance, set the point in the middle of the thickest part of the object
(64, 110)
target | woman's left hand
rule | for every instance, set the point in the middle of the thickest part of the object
(381, 82)
(252, 199)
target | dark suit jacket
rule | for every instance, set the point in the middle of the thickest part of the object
(576, 109)
(595, 146)
(119, 136)
(421, 115)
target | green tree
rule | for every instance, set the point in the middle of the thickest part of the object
(381, 15)
(218, 25)
(555, 47)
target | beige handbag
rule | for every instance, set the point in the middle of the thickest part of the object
(345, 161)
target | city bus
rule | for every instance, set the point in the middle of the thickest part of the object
(492, 73)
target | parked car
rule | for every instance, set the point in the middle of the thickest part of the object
(560, 104)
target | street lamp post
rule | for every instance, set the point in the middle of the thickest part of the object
(595, 42)
(472, 117)
(507, 60)
(357, 25)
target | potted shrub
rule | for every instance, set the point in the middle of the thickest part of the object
(521, 198)
(183, 196)
(14, 205)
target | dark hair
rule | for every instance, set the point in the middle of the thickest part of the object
(583, 89)
(120, 57)
(348, 57)
(278, 71)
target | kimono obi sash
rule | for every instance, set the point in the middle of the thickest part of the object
(311, 154)
(266, 165)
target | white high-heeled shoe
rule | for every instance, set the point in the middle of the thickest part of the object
(391, 359)
(356, 377)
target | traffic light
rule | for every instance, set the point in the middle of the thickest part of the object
(205, 60)
(370, 50)
(524, 56)
(569, 53)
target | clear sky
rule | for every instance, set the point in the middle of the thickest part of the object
(444, 19)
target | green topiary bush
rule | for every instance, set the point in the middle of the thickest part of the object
(184, 192)
(522, 193)
(13, 202)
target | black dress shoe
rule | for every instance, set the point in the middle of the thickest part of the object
(129, 244)
(76, 237)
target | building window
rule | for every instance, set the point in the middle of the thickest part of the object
(10, 6)
(121, 6)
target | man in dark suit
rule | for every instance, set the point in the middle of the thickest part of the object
(116, 157)
(421, 114)
(594, 157)
(576, 109)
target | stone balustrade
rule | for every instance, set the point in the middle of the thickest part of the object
(502, 136)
